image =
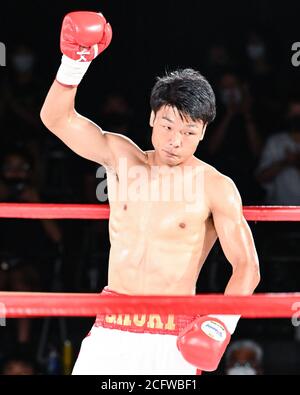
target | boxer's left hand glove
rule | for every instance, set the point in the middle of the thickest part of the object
(203, 342)
(84, 35)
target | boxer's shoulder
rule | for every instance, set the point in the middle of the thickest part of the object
(218, 187)
(124, 148)
(211, 175)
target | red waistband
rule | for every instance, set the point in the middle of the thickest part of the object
(143, 323)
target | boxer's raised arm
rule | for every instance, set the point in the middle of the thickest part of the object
(78, 133)
(84, 35)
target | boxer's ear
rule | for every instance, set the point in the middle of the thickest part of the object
(152, 118)
(203, 131)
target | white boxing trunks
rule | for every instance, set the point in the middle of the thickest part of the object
(133, 345)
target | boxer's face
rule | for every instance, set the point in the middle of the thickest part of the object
(175, 139)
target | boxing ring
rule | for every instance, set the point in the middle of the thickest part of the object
(36, 304)
(31, 304)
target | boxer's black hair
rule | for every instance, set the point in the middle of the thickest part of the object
(188, 91)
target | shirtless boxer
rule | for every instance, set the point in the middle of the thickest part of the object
(158, 247)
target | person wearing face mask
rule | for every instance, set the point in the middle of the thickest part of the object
(262, 74)
(23, 242)
(23, 61)
(256, 52)
(21, 100)
(258, 65)
(244, 357)
(279, 166)
(21, 96)
(278, 172)
(234, 143)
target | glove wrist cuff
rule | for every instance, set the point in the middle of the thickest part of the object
(71, 71)
(230, 321)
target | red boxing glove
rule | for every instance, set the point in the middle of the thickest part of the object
(203, 342)
(84, 35)
(84, 29)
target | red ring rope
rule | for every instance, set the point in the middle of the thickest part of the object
(17, 305)
(93, 211)
(23, 304)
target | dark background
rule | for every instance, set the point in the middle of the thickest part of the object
(151, 37)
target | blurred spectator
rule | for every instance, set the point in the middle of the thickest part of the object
(19, 364)
(23, 243)
(244, 357)
(234, 143)
(219, 60)
(62, 172)
(116, 114)
(22, 90)
(256, 51)
(279, 174)
(279, 167)
(265, 79)
(22, 101)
